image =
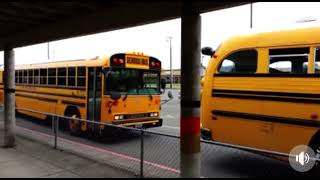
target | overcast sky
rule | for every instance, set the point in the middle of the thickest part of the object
(152, 38)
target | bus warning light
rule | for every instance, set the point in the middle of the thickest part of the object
(115, 60)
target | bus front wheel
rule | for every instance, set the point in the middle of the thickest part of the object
(73, 125)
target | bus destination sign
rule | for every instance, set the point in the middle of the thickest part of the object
(138, 61)
(132, 61)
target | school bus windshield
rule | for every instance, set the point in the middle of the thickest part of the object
(132, 82)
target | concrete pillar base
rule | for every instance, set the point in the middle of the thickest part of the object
(190, 164)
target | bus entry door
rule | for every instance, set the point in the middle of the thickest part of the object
(94, 94)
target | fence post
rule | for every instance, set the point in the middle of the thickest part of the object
(55, 124)
(57, 131)
(142, 152)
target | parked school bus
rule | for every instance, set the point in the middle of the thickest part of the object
(262, 91)
(122, 89)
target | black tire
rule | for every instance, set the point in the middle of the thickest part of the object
(316, 148)
(73, 126)
(95, 133)
(317, 151)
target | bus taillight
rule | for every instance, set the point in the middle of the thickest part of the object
(115, 60)
(154, 63)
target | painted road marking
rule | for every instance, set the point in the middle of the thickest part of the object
(171, 127)
(168, 116)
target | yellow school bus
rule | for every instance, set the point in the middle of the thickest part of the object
(121, 89)
(262, 90)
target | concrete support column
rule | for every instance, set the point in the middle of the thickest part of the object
(190, 92)
(9, 98)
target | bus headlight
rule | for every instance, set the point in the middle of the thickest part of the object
(155, 114)
(118, 117)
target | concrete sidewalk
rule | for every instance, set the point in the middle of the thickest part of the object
(30, 159)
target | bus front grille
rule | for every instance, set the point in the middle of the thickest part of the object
(135, 116)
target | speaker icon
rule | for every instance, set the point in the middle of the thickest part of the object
(303, 158)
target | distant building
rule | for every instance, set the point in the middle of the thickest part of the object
(177, 74)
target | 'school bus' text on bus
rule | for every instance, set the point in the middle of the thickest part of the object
(115, 89)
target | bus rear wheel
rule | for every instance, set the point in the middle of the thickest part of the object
(95, 133)
(74, 125)
(317, 152)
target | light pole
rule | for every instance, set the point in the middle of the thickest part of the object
(171, 75)
(202, 60)
(251, 15)
(48, 52)
(201, 66)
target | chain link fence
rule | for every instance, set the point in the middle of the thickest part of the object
(130, 149)
(151, 154)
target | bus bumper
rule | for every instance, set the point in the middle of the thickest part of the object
(206, 134)
(157, 124)
(140, 123)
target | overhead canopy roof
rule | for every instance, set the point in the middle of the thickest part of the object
(27, 23)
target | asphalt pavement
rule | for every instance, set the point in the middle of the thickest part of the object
(170, 113)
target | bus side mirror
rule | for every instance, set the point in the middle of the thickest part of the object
(207, 51)
(163, 84)
(170, 96)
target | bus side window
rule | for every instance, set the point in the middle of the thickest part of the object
(227, 66)
(43, 76)
(288, 61)
(62, 76)
(71, 76)
(280, 67)
(240, 62)
(17, 77)
(52, 74)
(81, 81)
(317, 61)
(30, 73)
(25, 77)
(36, 76)
(20, 76)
